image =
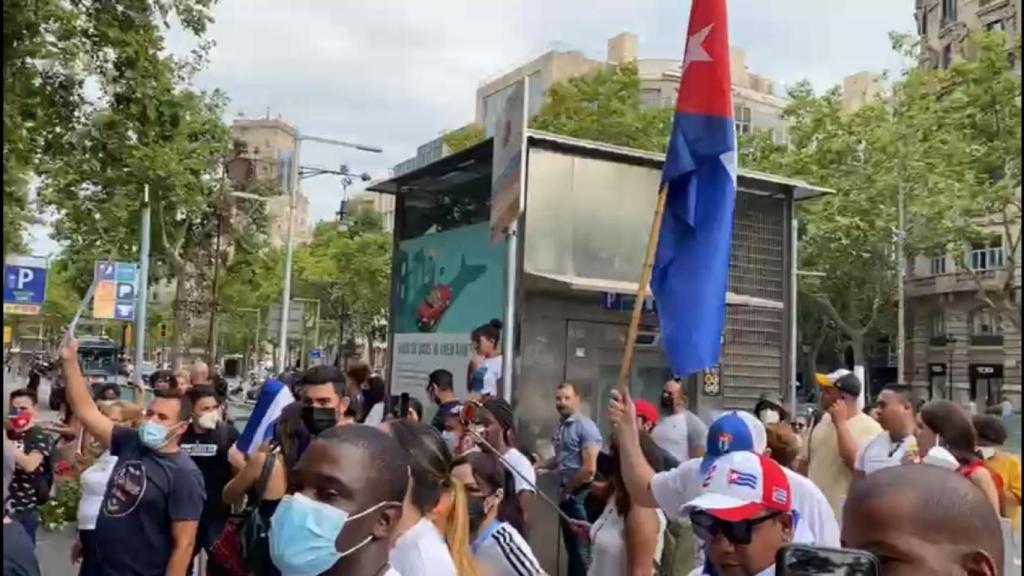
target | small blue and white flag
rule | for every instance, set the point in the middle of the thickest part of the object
(274, 396)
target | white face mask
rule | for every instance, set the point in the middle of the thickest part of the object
(769, 416)
(209, 421)
(939, 456)
(987, 452)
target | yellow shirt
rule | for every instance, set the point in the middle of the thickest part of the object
(1007, 467)
(826, 467)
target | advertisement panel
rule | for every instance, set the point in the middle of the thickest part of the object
(509, 149)
(449, 283)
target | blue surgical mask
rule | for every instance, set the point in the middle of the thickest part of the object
(303, 533)
(153, 435)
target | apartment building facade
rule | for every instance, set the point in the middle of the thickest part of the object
(270, 143)
(944, 25)
(961, 348)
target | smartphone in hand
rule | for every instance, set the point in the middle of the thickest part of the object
(799, 560)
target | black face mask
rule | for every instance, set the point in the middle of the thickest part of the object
(477, 512)
(668, 402)
(318, 419)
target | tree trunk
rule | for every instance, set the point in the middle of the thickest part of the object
(186, 297)
(179, 341)
(859, 357)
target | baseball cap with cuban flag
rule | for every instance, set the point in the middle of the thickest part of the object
(741, 485)
(733, 431)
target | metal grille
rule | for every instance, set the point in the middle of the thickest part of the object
(752, 354)
(758, 240)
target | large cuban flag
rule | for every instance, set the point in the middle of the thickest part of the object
(691, 267)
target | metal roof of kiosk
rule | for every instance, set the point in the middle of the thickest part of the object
(475, 162)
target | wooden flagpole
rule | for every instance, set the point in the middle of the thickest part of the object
(641, 290)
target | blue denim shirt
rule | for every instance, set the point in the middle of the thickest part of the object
(574, 434)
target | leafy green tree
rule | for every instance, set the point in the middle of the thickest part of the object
(51, 48)
(148, 128)
(976, 104)
(605, 106)
(349, 271)
(465, 137)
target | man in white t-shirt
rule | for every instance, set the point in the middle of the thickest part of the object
(896, 441)
(500, 432)
(680, 432)
(730, 432)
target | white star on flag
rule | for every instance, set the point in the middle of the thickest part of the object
(729, 161)
(695, 51)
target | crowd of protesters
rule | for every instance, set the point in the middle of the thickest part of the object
(346, 484)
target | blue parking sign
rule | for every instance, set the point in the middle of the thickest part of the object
(24, 284)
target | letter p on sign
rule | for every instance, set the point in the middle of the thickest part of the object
(25, 276)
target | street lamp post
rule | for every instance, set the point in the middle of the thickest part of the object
(290, 239)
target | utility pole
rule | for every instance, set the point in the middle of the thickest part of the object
(294, 179)
(286, 295)
(901, 322)
(140, 312)
(794, 279)
(211, 340)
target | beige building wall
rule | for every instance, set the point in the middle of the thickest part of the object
(860, 88)
(271, 143)
(944, 25)
(542, 72)
(757, 107)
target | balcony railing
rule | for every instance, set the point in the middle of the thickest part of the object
(987, 340)
(962, 281)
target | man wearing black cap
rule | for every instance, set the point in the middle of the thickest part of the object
(832, 454)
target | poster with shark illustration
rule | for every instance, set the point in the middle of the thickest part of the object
(449, 283)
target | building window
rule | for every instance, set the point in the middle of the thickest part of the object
(996, 26)
(650, 98)
(938, 265)
(923, 27)
(937, 328)
(987, 255)
(986, 322)
(743, 121)
(948, 11)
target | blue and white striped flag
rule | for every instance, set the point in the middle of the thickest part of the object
(274, 396)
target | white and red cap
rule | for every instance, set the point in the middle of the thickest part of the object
(741, 485)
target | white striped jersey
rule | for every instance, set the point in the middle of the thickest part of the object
(506, 553)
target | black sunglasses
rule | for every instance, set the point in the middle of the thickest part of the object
(707, 527)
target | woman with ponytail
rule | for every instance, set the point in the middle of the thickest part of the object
(423, 547)
(495, 517)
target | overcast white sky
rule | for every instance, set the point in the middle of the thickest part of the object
(396, 73)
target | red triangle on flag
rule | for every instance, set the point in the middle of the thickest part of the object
(705, 87)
